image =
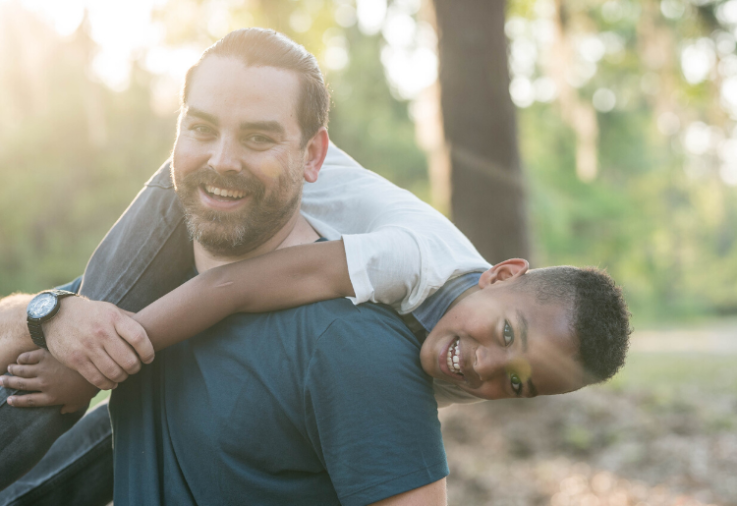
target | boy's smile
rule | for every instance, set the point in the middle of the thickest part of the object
(500, 342)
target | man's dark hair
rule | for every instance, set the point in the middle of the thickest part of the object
(257, 47)
(599, 315)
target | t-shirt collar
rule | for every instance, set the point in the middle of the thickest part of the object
(432, 310)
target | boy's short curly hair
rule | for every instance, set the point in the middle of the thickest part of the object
(600, 319)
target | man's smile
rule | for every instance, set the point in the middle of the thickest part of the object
(221, 199)
(221, 192)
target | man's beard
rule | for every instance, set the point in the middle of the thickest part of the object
(235, 233)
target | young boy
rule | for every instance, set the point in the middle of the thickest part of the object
(503, 333)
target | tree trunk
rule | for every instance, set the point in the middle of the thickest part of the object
(488, 192)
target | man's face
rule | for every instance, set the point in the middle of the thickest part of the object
(238, 161)
(505, 344)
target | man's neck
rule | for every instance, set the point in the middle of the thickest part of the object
(297, 231)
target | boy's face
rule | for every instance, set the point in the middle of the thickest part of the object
(500, 342)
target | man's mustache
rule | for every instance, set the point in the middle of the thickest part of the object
(244, 181)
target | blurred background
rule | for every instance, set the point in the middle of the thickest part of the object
(582, 132)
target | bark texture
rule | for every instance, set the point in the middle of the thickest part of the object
(488, 191)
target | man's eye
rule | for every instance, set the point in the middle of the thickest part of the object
(201, 129)
(516, 384)
(508, 334)
(258, 139)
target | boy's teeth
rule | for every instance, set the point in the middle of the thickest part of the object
(453, 359)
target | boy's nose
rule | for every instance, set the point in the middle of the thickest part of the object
(489, 363)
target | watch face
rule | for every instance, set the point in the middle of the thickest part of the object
(41, 305)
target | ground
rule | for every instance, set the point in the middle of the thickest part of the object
(663, 432)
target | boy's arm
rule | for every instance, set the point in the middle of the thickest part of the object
(285, 278)
(399, 249)
(282, 279)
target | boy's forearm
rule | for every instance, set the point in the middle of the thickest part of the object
(14, 336)
(282, 279)
(291, 277)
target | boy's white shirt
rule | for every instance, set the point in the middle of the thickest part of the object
(399, 249)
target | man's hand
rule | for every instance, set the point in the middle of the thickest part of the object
(98, 340)
(52, 384)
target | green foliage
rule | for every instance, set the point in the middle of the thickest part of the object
(369, 123)
(660, 215)
(72, 156)
(666, 375)
(73, 153)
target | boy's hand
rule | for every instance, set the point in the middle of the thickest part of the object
(52, 383)
(98, 340)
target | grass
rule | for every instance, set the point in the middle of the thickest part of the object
(708, 372)
(101, 396)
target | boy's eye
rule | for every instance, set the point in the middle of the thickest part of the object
(508, 334)
(516, 384)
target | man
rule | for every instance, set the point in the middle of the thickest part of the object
(292, 431)
(217, 108)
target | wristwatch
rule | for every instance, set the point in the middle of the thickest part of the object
(42, 308)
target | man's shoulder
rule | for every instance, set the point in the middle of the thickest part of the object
(368, 402)
(368, 337)
(366, 321)
(333, 332)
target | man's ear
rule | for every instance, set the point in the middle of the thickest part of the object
(508, 269)
(316, 150)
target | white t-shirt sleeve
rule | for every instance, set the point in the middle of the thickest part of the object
(399, 249)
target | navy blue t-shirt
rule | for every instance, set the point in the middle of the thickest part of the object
(317, 405)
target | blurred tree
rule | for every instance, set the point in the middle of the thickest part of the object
(640, 98)
(72, 153)
(626, 111)
(488, 197)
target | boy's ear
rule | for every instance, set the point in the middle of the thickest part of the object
(508, 269)
(316, 150)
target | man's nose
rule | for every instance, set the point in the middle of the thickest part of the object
(225, 158)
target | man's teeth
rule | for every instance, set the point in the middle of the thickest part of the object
(224, 193)
(453, 358)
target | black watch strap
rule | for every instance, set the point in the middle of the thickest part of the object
(37, 334)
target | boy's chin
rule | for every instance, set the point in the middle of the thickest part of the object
(430, 355)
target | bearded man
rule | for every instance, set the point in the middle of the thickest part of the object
(330, 405)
